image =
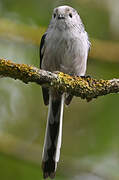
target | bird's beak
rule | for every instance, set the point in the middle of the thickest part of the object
(61, 16)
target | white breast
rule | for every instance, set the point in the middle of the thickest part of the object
(66, 51)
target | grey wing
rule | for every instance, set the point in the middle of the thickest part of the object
(45, 91)
(41, 48)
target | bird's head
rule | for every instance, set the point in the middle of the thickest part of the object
(65, 17)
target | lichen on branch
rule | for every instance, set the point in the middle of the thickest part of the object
(84, 87)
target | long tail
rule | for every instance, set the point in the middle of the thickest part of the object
(53, 136)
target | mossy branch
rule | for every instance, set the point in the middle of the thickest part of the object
(86, 88)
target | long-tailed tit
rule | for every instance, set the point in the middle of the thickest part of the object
(64, 47)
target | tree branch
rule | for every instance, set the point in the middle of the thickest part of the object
(86, 88)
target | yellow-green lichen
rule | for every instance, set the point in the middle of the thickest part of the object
(84, 87)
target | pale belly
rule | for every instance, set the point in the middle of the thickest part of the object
(68, 56)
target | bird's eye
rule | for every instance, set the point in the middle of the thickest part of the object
(70, 15)
(54, 15)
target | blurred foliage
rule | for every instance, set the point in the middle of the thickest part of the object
(95, 18)
(12, 168)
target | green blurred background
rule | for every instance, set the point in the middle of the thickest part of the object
(90, 148)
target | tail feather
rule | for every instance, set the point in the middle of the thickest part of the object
(53, 137)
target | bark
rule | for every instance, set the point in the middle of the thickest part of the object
(83, 87)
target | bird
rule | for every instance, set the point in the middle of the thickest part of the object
(64, 47)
